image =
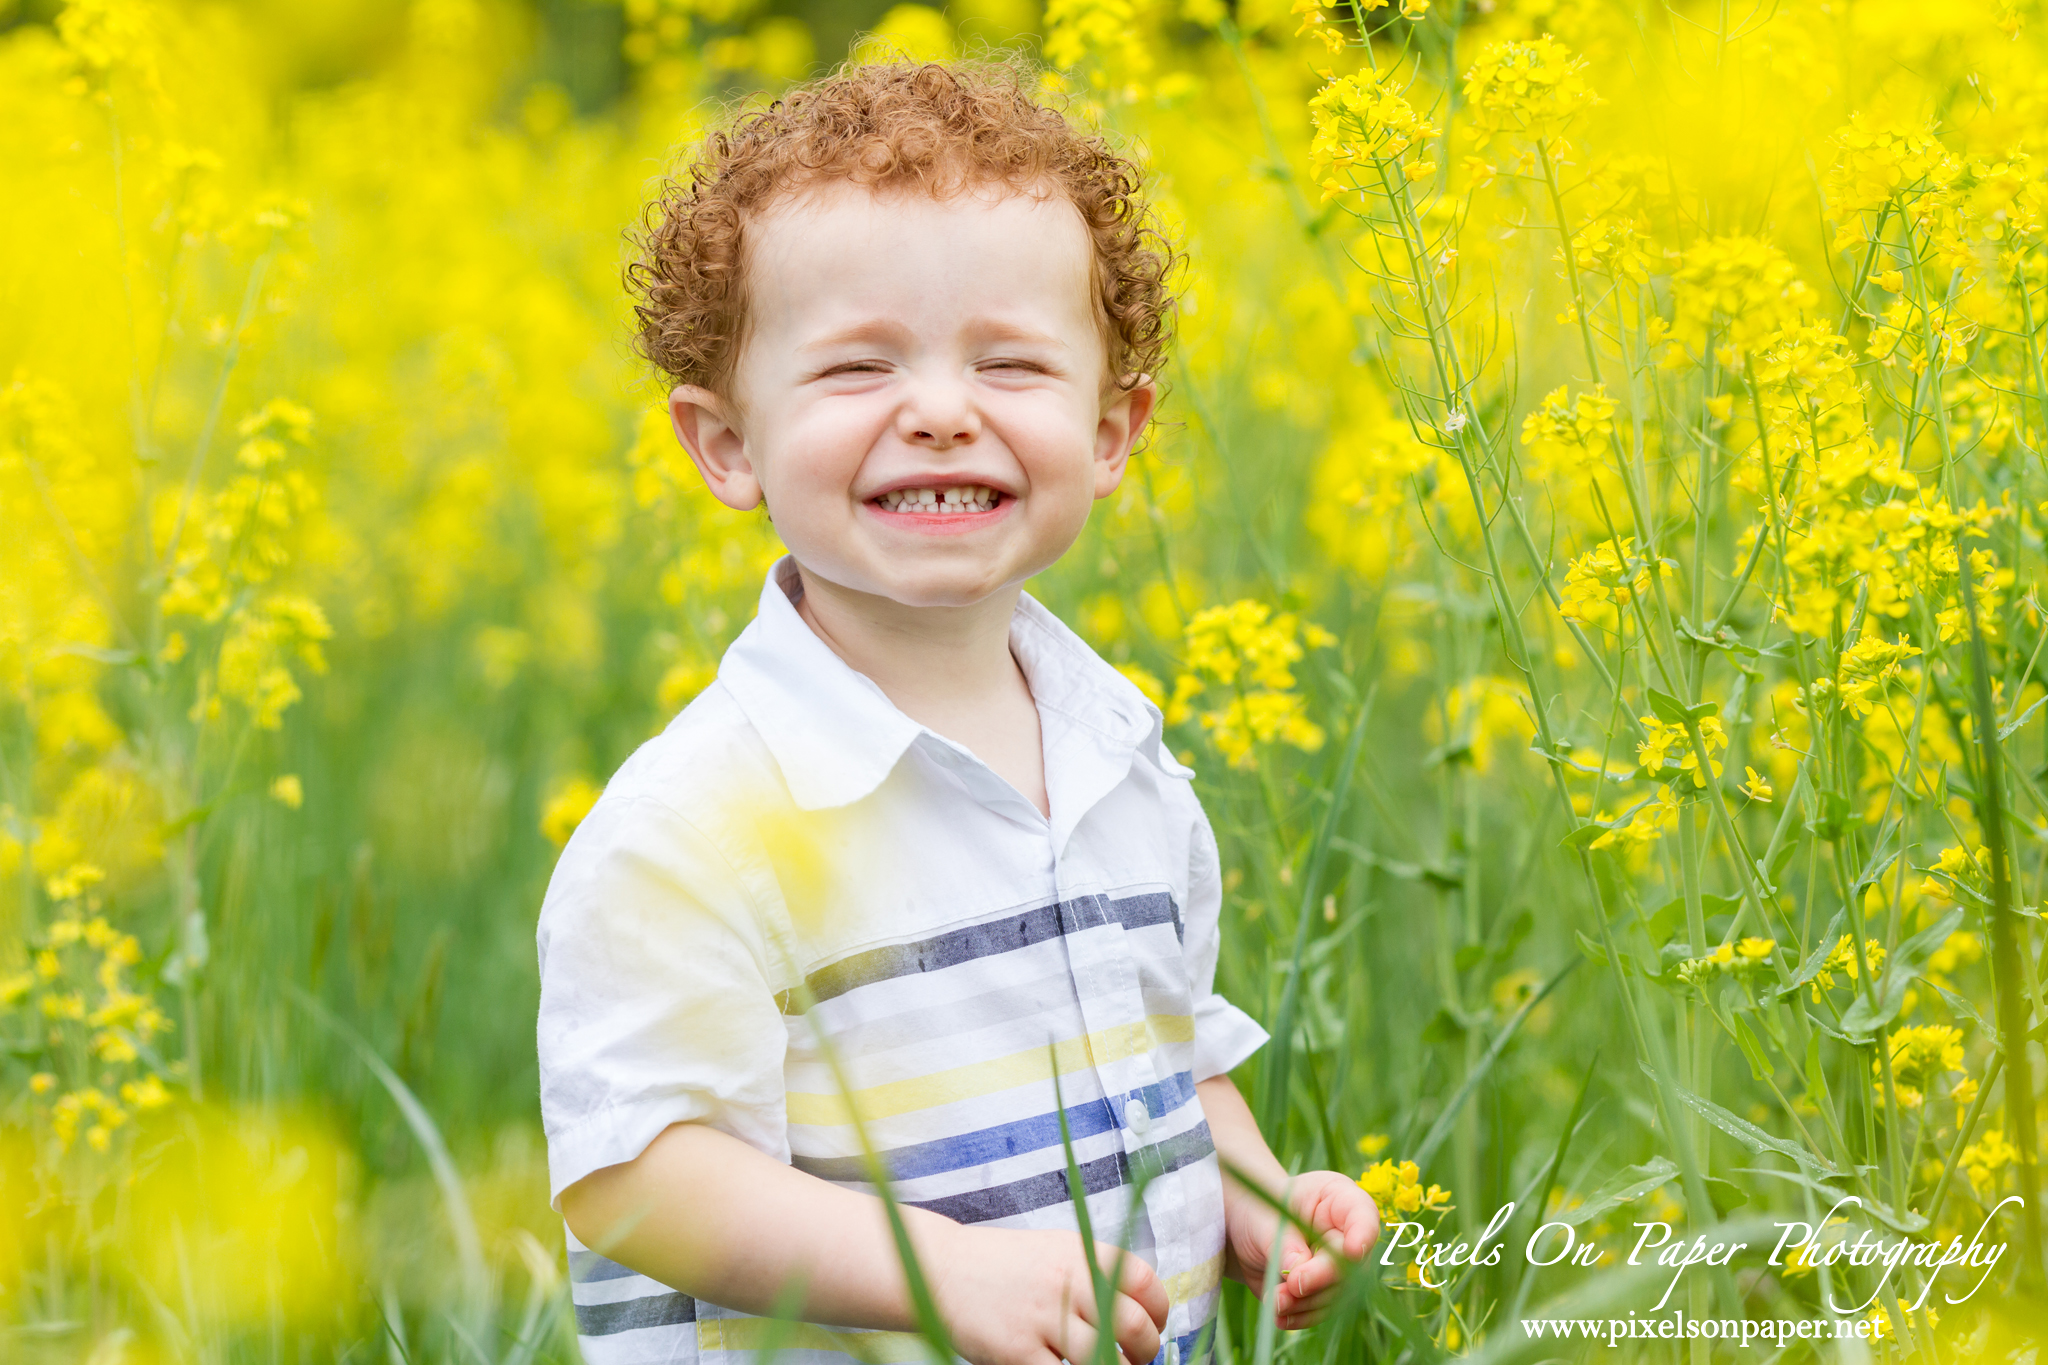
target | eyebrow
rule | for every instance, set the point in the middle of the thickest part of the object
(877, 330)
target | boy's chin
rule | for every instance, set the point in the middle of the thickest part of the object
(941, 586)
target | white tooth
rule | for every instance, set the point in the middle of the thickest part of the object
(952, 495)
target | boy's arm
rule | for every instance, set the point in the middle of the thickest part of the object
(1238, 1140)
(705, 1213)
(1328, 1201)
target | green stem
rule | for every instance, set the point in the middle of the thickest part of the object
(2006, 965)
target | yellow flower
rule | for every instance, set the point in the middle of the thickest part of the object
(1362, 125)
(1984, 1158)
(1662, 741)
(146, 1094)
(1599, 581)
(1372, 1144)
(1534, 89)
(288, 792)
(1146, 682)
(1569, 439)
(73, 881)
(1396, 1186)
(566, 807)
(1924, 1050)
(1842, 958)
(1756, 787)
(1247, 649)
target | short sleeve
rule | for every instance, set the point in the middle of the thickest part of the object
(657, 1002)
(1224, 1034)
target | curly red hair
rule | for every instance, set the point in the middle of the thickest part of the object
(935, 128)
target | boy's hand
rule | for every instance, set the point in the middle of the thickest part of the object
(1328, 1201)
(1012, 1296)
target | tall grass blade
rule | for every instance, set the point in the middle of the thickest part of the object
(469, 1252)
(1277, 1066)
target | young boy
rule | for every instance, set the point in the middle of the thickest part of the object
(918, 847)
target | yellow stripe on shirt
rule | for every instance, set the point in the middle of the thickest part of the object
(1195, 1281)
(870, 1348)
(998, 1073)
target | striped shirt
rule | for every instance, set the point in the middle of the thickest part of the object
(795, 862)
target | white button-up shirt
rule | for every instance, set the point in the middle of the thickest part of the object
(793, 863)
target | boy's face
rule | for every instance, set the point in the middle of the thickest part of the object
(922, 394)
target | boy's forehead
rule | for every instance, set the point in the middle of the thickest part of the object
(838, 238)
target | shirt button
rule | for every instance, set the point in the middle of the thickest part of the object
(1137, 1118)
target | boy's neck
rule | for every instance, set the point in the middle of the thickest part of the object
(938, 665)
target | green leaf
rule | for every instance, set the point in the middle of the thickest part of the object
(1670, 917)
(1666, 707)
(1457, 751)
(1517, 930)
(1672, 711)
(1441, 1129)
(1837, 814)
(1726, 1197)
(1810, 968)
(1582, 836)
(1623, 1187)
(1908, 1223)
(1597, 951)
(2006, 730)
(1593, 829)
(1968, 1011)
(1752, 1051)
(1755, 1138)
(1443, 1027)
(1873, 1011)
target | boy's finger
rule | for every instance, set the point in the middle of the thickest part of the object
(1141, 1282)
(1315, 1302)
(1294, 1252)
(1077, 1341)
(1361, 1226)
(1317, 1272)
(1137, 1334)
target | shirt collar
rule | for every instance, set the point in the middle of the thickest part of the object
(836, 736)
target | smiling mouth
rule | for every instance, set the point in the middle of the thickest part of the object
(953, 501)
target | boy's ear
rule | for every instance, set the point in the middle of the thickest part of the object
(705, 426)
(1123, 421)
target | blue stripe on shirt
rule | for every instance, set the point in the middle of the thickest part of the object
(1014, 1138)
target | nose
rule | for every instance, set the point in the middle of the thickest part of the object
(938, 414)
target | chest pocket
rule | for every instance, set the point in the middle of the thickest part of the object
(1152, 937)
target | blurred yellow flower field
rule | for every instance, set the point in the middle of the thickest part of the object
(1590, 552)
